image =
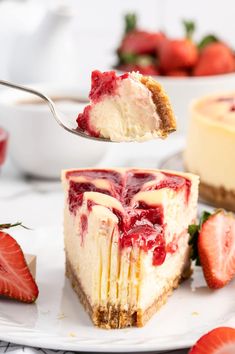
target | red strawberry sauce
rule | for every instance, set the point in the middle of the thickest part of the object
(104, 84)
(3, 145)
(83, 121)
(101, 84)
(140, 224)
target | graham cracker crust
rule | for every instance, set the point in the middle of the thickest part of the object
(113, 317)
(163, 105)
(218, 196)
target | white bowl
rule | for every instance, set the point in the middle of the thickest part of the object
(38, 145)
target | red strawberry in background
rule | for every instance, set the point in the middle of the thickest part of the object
(215, 58)
(177, 54)
(213, 247)
(141, 42)
(220, 340)
(136, 41)
(16, 281)
(153, 53)
(137, 49)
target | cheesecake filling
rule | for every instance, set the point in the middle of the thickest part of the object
(122, 108)
(129, 233)
(210, 143)
(219, 110)
(140, 222)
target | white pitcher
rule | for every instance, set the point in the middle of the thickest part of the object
(48, 53)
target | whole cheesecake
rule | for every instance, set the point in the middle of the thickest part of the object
(126, 239)
(210, 148)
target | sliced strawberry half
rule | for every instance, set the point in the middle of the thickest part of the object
(16, 280)
(220, 340)
(216, 248)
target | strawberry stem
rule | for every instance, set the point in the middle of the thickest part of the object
(210, 38)
(8, 226)
(131, 58)
(189, 27)
(130, 22)
(127, 58)
(204, 216)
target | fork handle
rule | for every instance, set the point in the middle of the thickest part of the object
(24, 88)
(33, 92)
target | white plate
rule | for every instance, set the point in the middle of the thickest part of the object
(58, 321)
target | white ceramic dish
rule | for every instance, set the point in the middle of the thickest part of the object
(183, 90)
(37, 145)
(58, 321)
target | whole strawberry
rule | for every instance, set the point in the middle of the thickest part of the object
(177, 54)
(16, 281)
(213, 247)
(136, 41)
(140, 42)
(215, 58)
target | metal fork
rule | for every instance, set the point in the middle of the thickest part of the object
(61, 119)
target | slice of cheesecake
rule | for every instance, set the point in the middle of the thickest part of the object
(126, 239)
(130, 107)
